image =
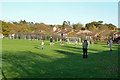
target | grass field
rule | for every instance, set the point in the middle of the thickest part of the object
(26, 59)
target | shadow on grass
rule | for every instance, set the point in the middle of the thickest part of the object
(37, 46)
(67, 53)
(105, 44)
(77, 48)
(4, 77)
(105, 59)
(24, 64)
(27, 64)
(114, 46)
(72, 47)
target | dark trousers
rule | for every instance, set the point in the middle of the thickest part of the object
(84, 53)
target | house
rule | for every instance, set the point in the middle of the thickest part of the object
(65, 33)
(62, 33)
(55, 28)
(1, 36)
(116, 35)
(84, 33)
(58, 30)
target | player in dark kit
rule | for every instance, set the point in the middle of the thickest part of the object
(85, 45)
(51, 40)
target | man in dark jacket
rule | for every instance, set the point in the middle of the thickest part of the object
(51, 40)
(85, 45)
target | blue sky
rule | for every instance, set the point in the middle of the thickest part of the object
(57, 12)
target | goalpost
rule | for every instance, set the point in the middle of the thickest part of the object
(71, 40)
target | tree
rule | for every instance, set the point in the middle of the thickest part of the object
(23, 22)
(13, 27)
(23, 28)
(100, 22)
(5, 28)
(68, 22)
(64, 23)
(77, 26)
(92, 24)
(0, 27)
(36, 23)
(102, 33)
(15, 23)
(41, 26)
(111, 26)
(31, 28)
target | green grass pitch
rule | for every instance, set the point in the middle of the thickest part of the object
(26, 59)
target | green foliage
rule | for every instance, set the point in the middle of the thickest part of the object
(66, 23)
(111, 26)
(5, 28)
(23, 26)
(102, 33)
(98, 24)
(23, 22)
(77, 26)
(92, 24)
(15, 23)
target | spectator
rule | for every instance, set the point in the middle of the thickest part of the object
(51, 40)
(110, 45)
(85, 45)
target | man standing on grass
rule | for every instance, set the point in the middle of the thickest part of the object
(51, 40)
(85, 45)
(110, 45)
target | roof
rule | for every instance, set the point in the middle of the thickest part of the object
(63, 31)
(56, 25)
(57, 31)
(68, 31)
(76, 31)
(88, 34)
(83, 31)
